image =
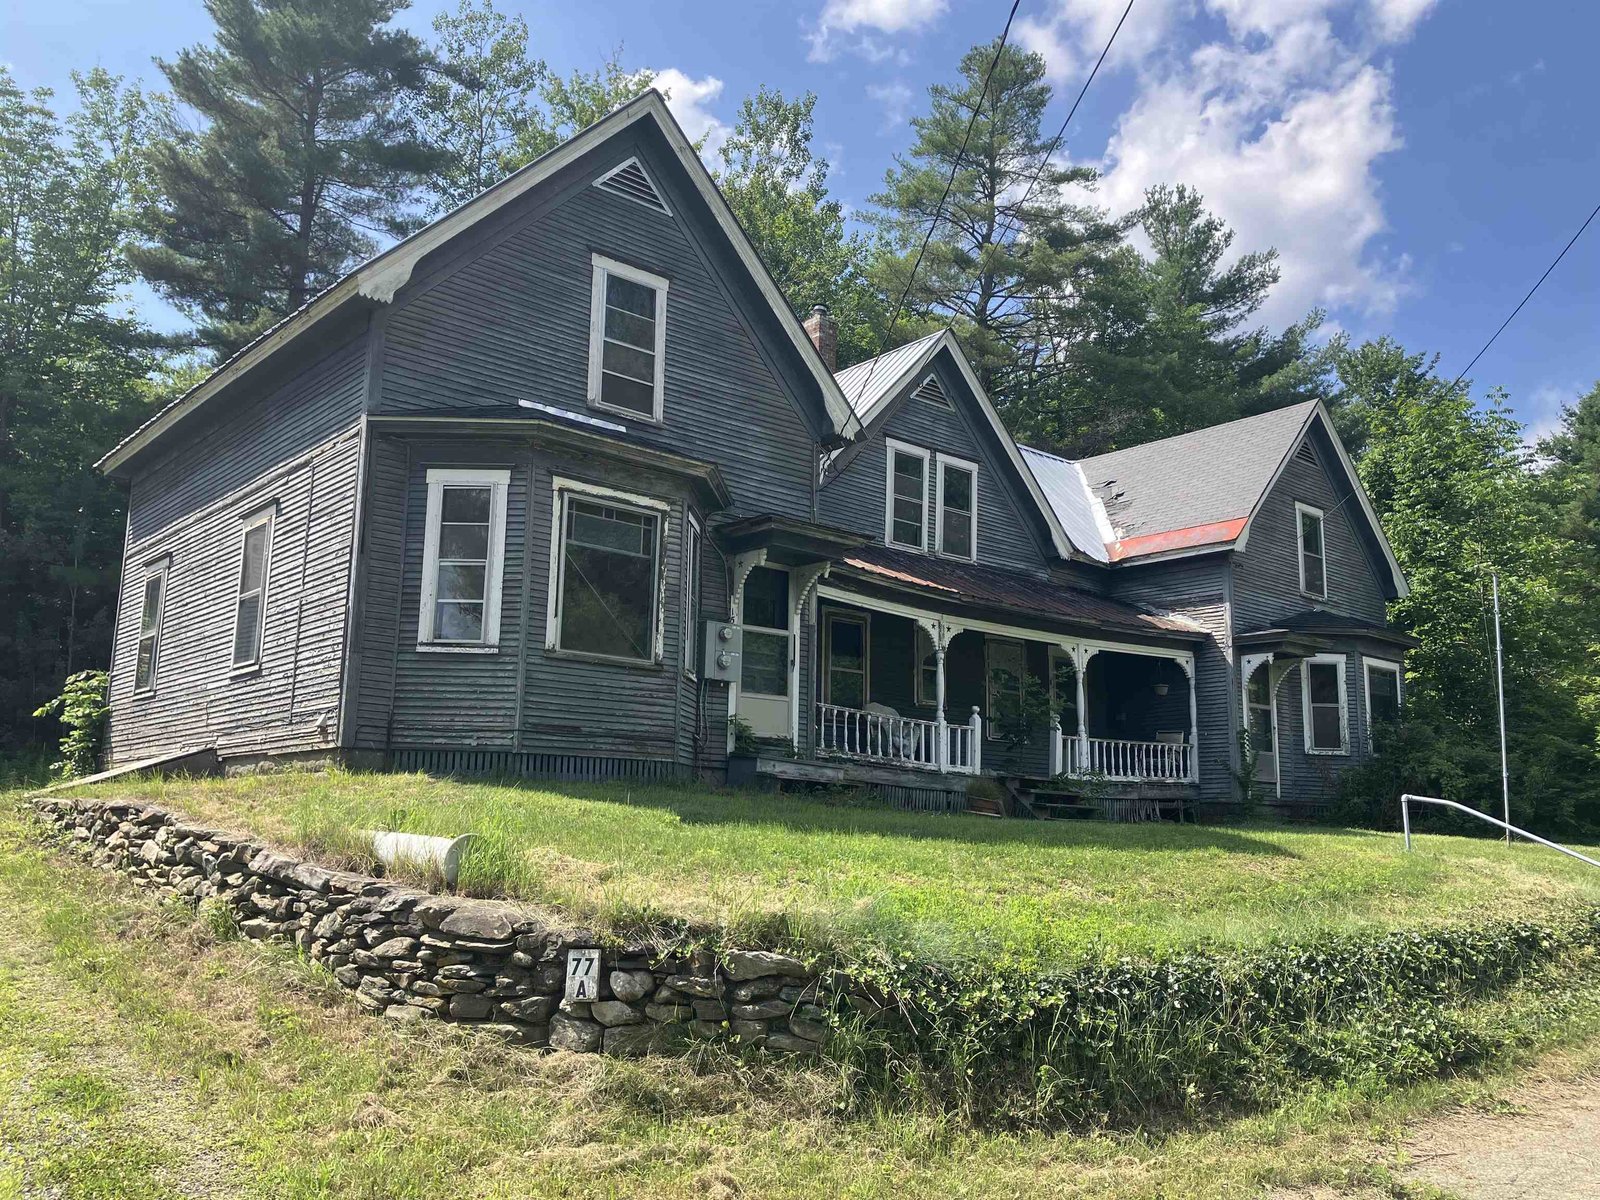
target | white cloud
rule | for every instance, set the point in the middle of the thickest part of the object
(688, 98)
(1541, 415)
(894, 99)
(1276, 117)
(840, 19)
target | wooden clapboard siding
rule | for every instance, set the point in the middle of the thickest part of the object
(297, 449)
(1199, 589)
(509, 321)
(1010, 530)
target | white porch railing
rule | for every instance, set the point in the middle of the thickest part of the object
(1120, 759)
(900, 741)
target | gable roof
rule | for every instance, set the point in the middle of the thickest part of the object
(380, 278)
(870, 387)
(1197, 491)
(1063, 485)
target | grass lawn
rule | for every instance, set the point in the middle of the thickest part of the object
(848, 878)
(141, 1056)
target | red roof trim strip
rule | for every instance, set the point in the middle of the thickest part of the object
(1177, 539)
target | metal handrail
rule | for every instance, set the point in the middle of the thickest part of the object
(1405, 821)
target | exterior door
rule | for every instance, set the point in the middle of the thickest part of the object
(764, 673)
(1262, 723)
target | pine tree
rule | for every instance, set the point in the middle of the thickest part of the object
(307, 156)
(1002, 242)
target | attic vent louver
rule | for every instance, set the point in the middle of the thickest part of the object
(1306, 454)
(631, 180)
(930, 391)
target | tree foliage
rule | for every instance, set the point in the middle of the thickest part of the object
(73, 374)
(306, 154)
(778, 188)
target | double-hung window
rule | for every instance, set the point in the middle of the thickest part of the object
(153, 599)
(250, 606)
(1313, 551)
(463, 555)
(1323, 695)
(606, 573)
(627, 339)
(1383, 691)
(958, 508)
(906, 497)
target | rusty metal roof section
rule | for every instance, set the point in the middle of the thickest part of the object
(1026, 598)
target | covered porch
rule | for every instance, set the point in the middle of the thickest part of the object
(906, 686)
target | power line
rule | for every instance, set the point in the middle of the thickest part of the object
(1528, 297)
(938, 211)
(1071, 112)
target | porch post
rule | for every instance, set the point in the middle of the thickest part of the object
(941, 731)
(1084, 654)
(976, 725)
(1057, 765)
(1194, 722)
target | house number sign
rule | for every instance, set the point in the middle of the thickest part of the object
(583, 974)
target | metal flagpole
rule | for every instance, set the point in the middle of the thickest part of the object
(1500, 697)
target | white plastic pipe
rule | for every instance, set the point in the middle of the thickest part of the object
(419, 850)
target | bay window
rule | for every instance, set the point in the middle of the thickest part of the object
(606, 573)
(1322, 689)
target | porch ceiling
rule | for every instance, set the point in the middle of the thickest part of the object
(1011, 595)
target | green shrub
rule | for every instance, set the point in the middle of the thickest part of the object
(83, 709)
(1126, 1039)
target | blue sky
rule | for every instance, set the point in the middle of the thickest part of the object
(1417, 163)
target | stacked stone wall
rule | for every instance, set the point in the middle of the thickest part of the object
(412, 955)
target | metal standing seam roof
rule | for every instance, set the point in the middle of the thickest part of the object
(869, 384)
(1025, 595)
(1080, 514)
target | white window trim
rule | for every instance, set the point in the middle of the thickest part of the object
(561, 489)
(891, 448)
(785, 632)
(991, 729)
(830, 618)
(161, 570)
(922, 698)
(1300, 510)
(1382, 664)
(603, 267)
(693, 550)
(1337, 660)
(265, 517)
(960, 464)
(498, 481)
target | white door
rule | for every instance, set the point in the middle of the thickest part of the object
(1261, 721)
(764, 670)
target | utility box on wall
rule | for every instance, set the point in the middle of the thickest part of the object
(724, 646)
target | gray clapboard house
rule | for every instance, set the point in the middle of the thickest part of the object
(561, 486)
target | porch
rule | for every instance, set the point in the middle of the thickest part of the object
(905, 688)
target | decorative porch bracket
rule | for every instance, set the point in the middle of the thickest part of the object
(741, 566)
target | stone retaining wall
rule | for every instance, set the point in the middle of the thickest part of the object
(415, 956)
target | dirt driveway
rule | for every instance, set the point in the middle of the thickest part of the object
(1542, 1143)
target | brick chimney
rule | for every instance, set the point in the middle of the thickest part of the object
(824, 333)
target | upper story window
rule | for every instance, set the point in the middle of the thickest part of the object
(153, 600)
(250, 606)
(958, 508)
(627, 339)
(906, 497)
(463, 554)
(1313, 551)
(605, 568)
(1323, 695)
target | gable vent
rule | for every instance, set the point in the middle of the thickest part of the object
(1306, 454)
(930, 391)
(631, 180)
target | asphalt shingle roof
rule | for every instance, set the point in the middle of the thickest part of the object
(1210, 476)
